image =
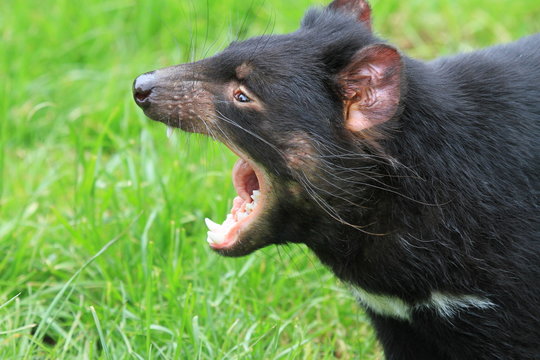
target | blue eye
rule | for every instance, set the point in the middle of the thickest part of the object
(241, 97)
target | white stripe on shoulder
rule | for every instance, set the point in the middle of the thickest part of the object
(383, 304)
(446, 305)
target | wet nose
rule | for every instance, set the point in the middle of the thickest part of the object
(142, 89)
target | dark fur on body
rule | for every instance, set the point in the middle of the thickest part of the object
(443, 196)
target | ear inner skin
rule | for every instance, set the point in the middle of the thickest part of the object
(359, 8)
(371, 87)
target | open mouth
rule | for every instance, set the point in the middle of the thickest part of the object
(251, 187)
(249, 184)
(152, 92)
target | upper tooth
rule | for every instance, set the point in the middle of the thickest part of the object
(212, 226)
(169, 131)
(215, 238)
(256, 194)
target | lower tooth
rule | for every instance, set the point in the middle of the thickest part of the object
(242, 215)
(215, 237)
(212, 226)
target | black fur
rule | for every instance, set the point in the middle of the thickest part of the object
(442, 197)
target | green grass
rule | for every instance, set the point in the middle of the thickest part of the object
(101, 233)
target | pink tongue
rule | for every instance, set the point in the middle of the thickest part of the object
(244, 179)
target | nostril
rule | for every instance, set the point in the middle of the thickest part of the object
(142, 88)
(141, 95)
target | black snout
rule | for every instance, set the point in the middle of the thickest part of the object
(142, 89)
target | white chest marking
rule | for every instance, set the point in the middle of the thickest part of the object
(383, 305)
(446, 305)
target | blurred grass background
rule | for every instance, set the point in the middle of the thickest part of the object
(101, 233)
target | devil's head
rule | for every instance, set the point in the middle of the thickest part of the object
(305, 113)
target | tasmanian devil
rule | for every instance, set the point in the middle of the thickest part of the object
(415, 182)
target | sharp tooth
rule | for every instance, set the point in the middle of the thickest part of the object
(242, 215)
(256, 194)
(227, 224)
(215, 237)
(212, 226)
(170, 131)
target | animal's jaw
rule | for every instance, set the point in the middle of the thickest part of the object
(238, 234)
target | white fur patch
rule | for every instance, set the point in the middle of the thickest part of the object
(445, 305)
(448, 305)
(383, 305)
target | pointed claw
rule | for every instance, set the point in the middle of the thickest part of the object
(170, 131)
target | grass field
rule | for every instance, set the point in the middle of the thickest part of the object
(101, 233)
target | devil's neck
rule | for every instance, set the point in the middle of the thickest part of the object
(416, 189)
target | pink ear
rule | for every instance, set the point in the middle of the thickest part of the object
(370, 85)
(360, 8)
